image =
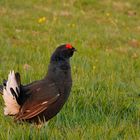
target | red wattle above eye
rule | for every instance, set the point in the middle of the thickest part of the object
(68, 46)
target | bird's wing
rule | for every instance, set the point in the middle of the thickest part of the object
(41, 96)
(35, 110)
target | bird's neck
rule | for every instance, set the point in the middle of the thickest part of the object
(61, 65)
(58, 70)
(60, 74)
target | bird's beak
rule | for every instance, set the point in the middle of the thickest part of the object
(74, 50)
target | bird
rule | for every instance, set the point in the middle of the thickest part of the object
(40, 100)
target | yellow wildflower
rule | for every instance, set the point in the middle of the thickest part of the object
(94, 67)
(108, 14)
(42, 19)
(73, 25)
(96, 60)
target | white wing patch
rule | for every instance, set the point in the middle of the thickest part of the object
(11, 105)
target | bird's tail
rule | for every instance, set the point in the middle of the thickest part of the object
(1, 89)
(11, 92)
(1, 86)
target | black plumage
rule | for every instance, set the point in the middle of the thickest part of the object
(43, 99)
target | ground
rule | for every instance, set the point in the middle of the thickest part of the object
(105, 99)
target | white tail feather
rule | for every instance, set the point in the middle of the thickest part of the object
(11, 105)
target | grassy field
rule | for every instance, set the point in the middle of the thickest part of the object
(105, 99)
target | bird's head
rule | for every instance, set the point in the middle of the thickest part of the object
(63, 52)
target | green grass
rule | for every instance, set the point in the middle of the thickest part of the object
(104, 102)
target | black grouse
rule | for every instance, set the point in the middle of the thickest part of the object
(40, 100)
